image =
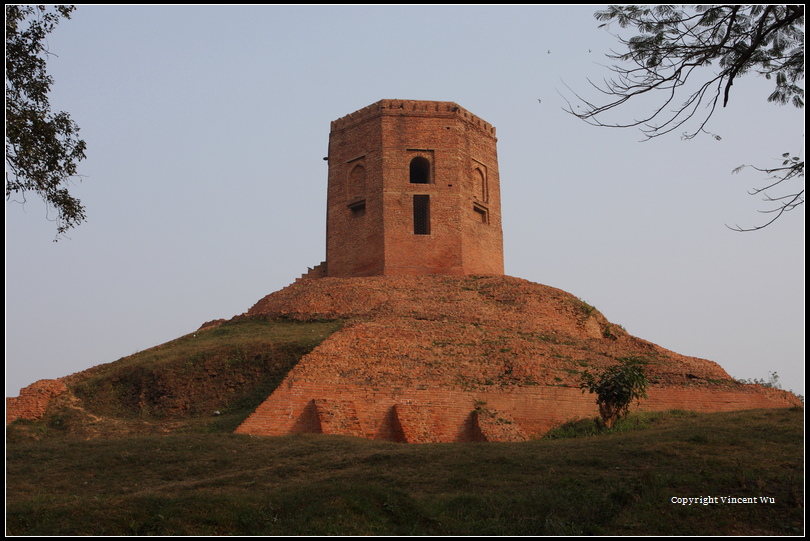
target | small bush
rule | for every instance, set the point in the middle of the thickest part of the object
(616, 388)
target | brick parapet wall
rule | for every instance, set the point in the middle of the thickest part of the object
(412, 107)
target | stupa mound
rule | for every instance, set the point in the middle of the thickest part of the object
(466, 358)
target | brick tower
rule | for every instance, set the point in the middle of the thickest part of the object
(413, 189)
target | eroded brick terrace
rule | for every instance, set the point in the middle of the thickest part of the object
(470, 358)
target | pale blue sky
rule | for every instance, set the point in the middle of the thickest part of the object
(205, 186)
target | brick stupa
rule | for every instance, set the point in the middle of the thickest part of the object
(439, 345)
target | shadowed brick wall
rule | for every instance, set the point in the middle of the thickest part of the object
(33, 400)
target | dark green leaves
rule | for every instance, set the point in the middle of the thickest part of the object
(42, 148)
(616, 388)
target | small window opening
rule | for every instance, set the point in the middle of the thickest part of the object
(420, 170)
(358, 208)
(421, 215)
(482, 214)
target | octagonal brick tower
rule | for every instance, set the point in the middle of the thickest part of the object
(413, 189)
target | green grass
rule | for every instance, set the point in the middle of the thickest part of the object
(615, 483)
(100, 463)
(595, 427)
(207, 381)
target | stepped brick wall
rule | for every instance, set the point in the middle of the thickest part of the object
(441, 358)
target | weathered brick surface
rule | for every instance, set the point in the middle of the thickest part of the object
(370, 199)
(468, 358)
(497, 425)
(336, 417)
(427, 415)
(33, 400)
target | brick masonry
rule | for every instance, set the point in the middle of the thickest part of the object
(385, 157)
(428, 415)
(33, 400)
(467, 358)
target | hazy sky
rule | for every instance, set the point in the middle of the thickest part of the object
(205, 184)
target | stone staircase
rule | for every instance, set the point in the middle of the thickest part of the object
(318, 271)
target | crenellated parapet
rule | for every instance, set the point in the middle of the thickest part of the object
(415, 108)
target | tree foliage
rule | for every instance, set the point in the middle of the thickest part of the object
(42, 147)
(690, 57)
(616, 388)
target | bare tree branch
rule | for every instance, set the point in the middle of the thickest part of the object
(792, 168)
(687, 57)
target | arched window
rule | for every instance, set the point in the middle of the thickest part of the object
(420, 170)
(481, 188)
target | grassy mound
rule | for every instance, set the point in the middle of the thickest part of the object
(205, 381)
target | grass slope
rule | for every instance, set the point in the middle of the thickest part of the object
(207, 381)
(622, 482)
